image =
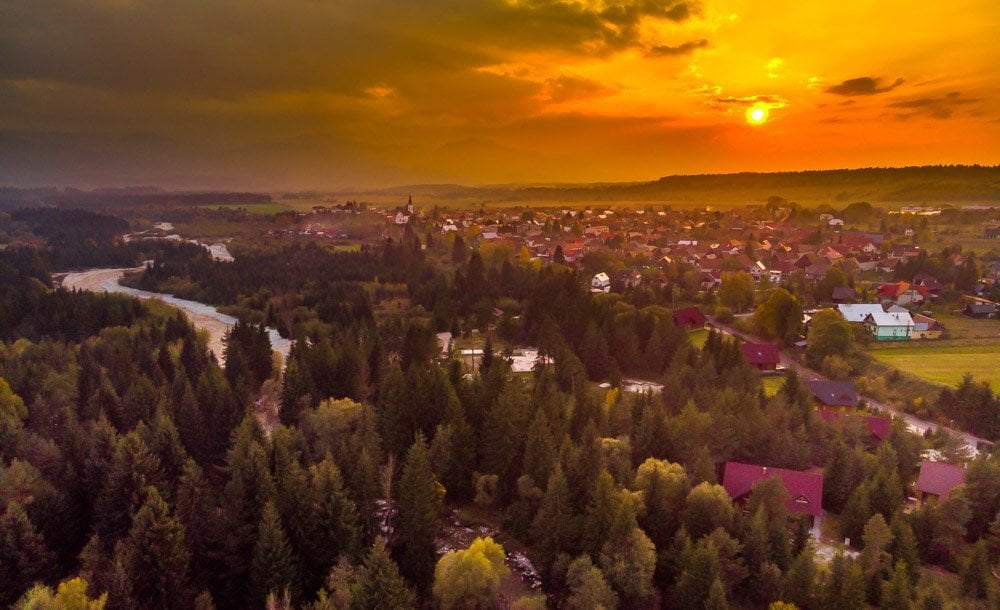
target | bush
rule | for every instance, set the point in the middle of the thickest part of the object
(836, 367)
(724, 315)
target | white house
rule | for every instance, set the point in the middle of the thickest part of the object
(600, 283)
(858, 313)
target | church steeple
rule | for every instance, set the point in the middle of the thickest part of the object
(409, 204)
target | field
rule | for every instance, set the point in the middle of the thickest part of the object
(945, 365)
(260, 209)
(698, 337)
(772, 384)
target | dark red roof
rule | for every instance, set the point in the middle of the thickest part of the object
(690, 317)
(940, 479)
(878, 426)
(761, 353)
(833, 393)
(805, 489)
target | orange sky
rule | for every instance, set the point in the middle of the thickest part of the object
(316, 93)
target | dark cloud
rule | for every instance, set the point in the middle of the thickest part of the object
(937, 107)
(682, 49)
(866, 85)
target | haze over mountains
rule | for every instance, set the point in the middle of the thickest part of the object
(956, 184)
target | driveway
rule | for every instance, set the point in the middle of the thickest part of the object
(917, 425)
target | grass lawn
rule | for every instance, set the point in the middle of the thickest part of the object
(944, 365)
(698, 337)
(772, 384)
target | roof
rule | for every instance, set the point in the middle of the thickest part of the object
(940, 479)
(843, 292)
(857, 313)
(689, 316)
(878, 427)
(885, 318)
(601, 278)
(761, 353)
(833, 393)
(805, 489)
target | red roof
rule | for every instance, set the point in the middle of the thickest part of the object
(878, 426)
(690, 317)
(805, 489)
(940, 479)
(761, 353)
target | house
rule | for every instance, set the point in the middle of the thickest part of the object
(992, 232)
(843, 294)
(980, 309)
(878, 427)
(833, 393)
(600, 283)
(628, 278)
(858, 313)
(938, 480)
(902, 293)
(925, 327)
(401, 218)
(689, 318)
(804, 489)
(890, 326)
(763, 356)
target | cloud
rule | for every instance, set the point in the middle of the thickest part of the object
(865, 85)
(682, 49)
(772, 101)
(937, 107)
(568, 88)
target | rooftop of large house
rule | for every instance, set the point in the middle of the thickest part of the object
(833, 393)
(895, 318)
(805, 489)
(940, 479)
(858, 313)
(760, 353)
(689, 317)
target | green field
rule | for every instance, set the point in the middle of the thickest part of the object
(945, 365)
(698, 337)
(261, 209)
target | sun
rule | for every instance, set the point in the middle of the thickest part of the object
(756, 115)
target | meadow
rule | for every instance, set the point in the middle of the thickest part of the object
(945, 365)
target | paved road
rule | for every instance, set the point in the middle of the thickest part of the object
(917, 425)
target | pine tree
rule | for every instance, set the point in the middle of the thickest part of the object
(273, 568)
(976, 576)
(24, 558)
(904, 547)
(716, 599)
(555, 528)
(153, 558)
(334, 528)
(601, 513)
(133, 468)
(380, 585)
(420, 504)
(896, 593)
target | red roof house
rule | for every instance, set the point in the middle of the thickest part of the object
(764, 356)
(805, 489)
(940, 479)
(689, 317)
(878, 427)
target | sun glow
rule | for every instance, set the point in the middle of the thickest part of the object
(756, 115)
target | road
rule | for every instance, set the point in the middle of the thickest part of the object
(917, 425)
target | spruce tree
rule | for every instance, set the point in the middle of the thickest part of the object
(273, 568)
(153, 558)
(420, 504)
(24, 558)
(556, 526)
(379, 583)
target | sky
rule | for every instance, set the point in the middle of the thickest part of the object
(314, 94)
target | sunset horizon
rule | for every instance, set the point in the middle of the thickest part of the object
(284, 96)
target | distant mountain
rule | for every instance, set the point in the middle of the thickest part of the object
(937, 185)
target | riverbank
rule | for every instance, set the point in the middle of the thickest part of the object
(204, 317)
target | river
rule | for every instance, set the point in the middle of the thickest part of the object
(202, 316)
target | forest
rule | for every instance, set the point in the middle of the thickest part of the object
(137, 470)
